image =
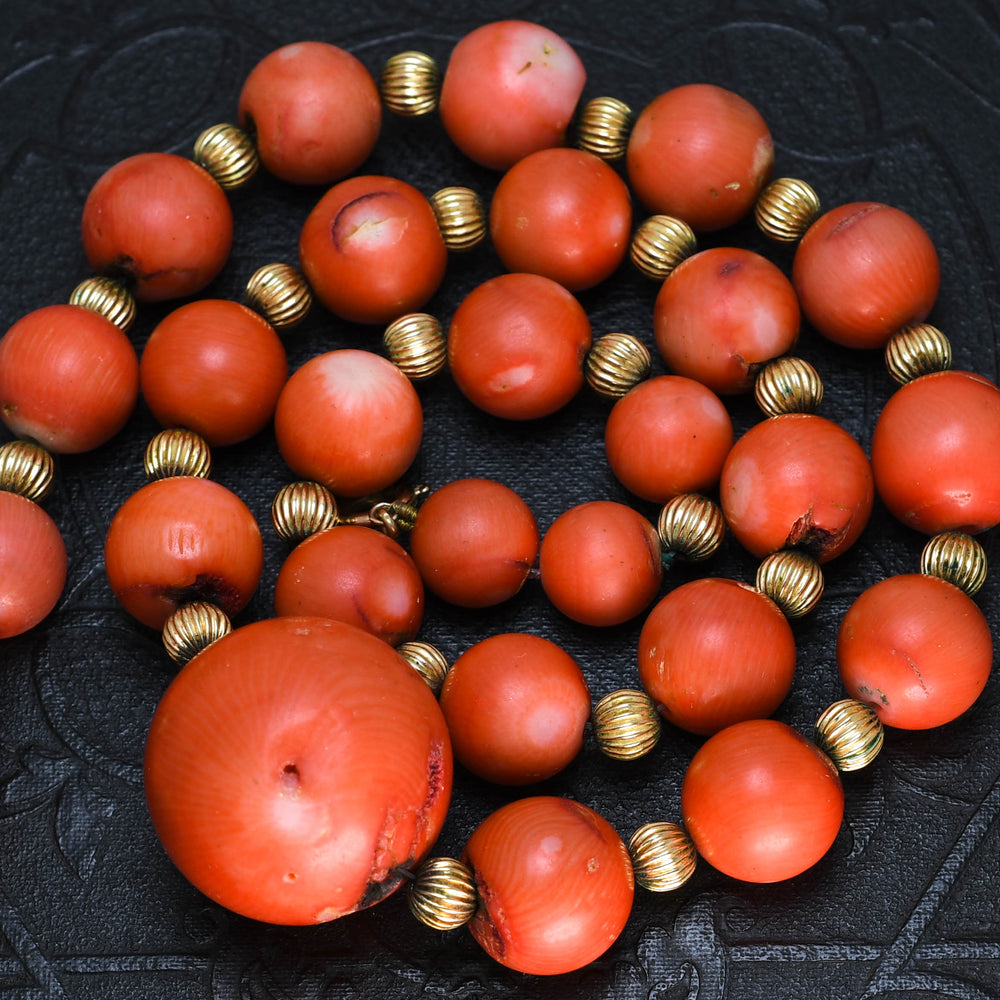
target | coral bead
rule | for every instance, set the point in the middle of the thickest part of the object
(864, 271)
(69, 378)
(160, 220)
(510, 88)
(268, 778)
(761, 802)
(555, 885)
(917, 649)
(516, 707)
(314, 110)
(350, 420)
(932, 452)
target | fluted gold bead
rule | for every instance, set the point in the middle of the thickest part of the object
(793, 580)
(27, 469)
(302, 509)
(956, 557)
(192, 628)
(663, 856)
(850, 734)
(785, 209)
(604, 127)
(228, 154)
(107, 297)
(416, 345)
(443, 894)
(410, 84)
(626, 724)
(281, 294)
(177, 452)
(691, 526)
(917, 349)
(617, 363)
(460, 217)
(427, 660)
(659, 244)
(788, 385)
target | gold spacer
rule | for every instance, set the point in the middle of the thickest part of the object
(192, 628)
(27, 469)
(604, 127)
(793, 580)
(460, 217)
(918, 349)
(850, 734)
(691, 526)
(626, 724)
(303, 509)
(427, 660)
(786, 208)
(956, 557)
(788, 385)
(617, 363)
(416, 345)
(663, 856)
(660, 244)
(280, 294)
(108, 298)
(177, 452)
(228, 154)
(443, 894)
(410, 84)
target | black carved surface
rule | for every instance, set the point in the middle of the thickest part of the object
(896, 101)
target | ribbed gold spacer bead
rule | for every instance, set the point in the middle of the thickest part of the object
(107, 297)
(793, 580)
(956, 557)
(918, 349)
(302, 509)
(691, 526)
(443, 894)
(280, 294)
(228, 154)
(27, 469)
(192, 628)
(785, 209)
(617, 363)
(660, 244)
(788, 385)
(427, 660)
(177, 452)
(416, 345)
(663, 856)
(604, 127)
(410, 84)
(460, 217)
(626, 724)
(850, 734)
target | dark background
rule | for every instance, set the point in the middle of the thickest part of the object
(896, 101)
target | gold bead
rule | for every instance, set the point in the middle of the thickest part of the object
(660, 244)
(785, 209)
(303, 509)
(691, 526)
(663, 856)
(107, 297)
(410, 84)
(626, 724)
(27, 469)
(788, 385)
(280, 294)
(228, 154)
(192, 628)
(416, 345)
(916, 350)
(443, 894)
(956, 557)
(604, 127)
(793, 580)
(177, 452)
(617, 363)
(427, 660)
(460, 217)
(850, 734)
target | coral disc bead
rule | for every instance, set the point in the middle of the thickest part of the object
(350, 420)
(555, 885)
(863, 271)
(761, 802)
(69, 378)
(161, 221)
(510, 88)
(314, 110)
(296, 769)
(700, 153)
